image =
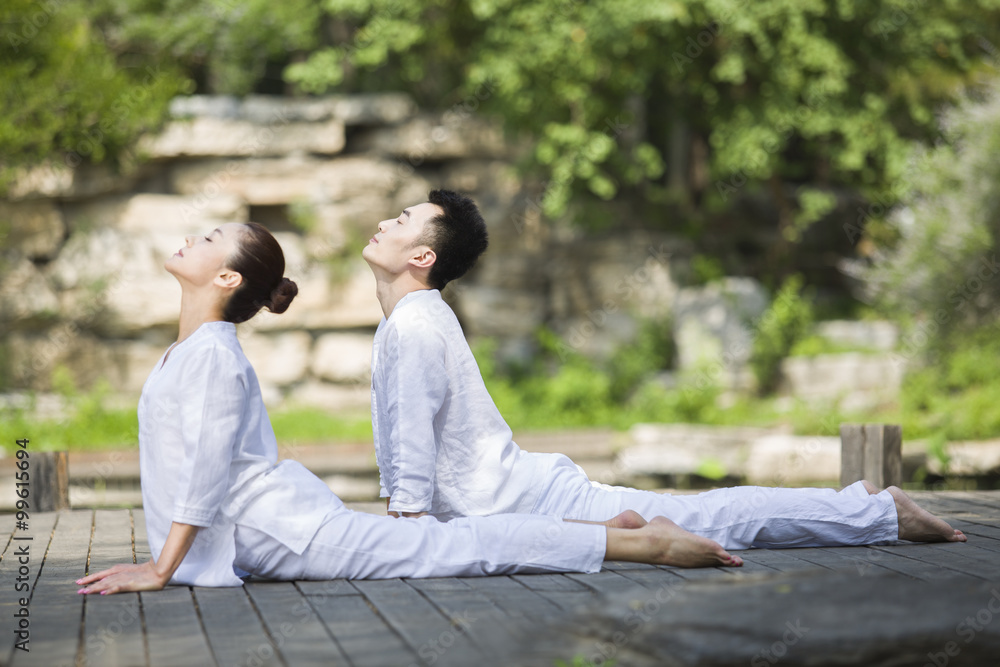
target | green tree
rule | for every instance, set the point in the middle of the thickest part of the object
(815, 94)
(66, 95)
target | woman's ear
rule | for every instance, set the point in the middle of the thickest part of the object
(229, 279)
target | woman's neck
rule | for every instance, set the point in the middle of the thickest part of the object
(196, 309)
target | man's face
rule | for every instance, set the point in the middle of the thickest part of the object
(396, 242)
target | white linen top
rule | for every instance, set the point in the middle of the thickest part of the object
(440, 442)
(207, 451)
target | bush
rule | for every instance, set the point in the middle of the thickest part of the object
(779, 328)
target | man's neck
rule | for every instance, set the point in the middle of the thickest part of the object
(390, 290)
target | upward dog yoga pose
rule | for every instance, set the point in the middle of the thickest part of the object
(219, 506)
(443, 449)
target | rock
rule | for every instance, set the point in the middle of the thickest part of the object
(55, 179)
(343, 357)
(210, 137)
(875, 335)
(969, 459)
(279, 359)
(269, 181)
(685, 449)
(116, 281)
(88, 359)
(327, 302)
(363, 109)
(155, 213)
(493, 311)
(812, 618)
(34, 228)
(793, 460)
(436, 137)
(335, 398)
(856, 380)
(25, 294)
(713, 326)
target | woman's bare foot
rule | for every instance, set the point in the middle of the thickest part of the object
(663, 542)
(918, 525)
(627, 519)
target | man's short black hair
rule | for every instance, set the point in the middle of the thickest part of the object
(457, 236)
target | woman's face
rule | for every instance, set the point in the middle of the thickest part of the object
(203, 258)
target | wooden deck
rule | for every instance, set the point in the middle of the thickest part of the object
(515, 620)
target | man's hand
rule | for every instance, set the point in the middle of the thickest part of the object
(407, 515)
(122, 578)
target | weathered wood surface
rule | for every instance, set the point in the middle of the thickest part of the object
(873, 452)
(880, 605)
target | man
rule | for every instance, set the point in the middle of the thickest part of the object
(443, 448)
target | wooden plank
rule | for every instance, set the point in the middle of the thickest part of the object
(329, 587)
(56, 609)
(655, 579)
(112, 625)
(607, 583)
(295, 630)
(778, 559)
(514, 598)
(959, 557)
(141, 543)
(859, 561)
(39, 531)
(617, 565)
(473, 615)
(418, 622)
(364, 636)
(233, 628)
(548, 582)
(173, 630)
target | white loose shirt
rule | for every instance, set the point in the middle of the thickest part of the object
(207, 451)
(440, 442)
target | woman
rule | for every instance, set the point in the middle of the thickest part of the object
(219, 507)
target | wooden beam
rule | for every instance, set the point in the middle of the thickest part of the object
(49, 481)
(872, 452)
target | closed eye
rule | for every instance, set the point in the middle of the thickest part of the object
(208, 239)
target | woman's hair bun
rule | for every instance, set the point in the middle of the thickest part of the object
(282, 295)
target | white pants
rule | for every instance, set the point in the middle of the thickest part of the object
(356, 545)
(737, 518)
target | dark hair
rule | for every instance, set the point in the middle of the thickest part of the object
(457, 236)
(258, 258)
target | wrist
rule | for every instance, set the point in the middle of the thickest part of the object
(161, 576)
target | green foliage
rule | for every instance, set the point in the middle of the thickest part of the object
(785, 322)
(304, 425)
(939, 272)
(958, 395)
(89, 422)
(67, 94)
(813, 345)
(706, 269)
(583, 661)
(653, 350)
(829, 92)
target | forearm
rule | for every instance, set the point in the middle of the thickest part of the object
(178, 543)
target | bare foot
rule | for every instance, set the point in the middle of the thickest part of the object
(869, 487)
(918, 525)
(672, 545)
(627, 519)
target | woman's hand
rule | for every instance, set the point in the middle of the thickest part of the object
(122, 578)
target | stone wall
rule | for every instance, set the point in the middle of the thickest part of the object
(82, 283)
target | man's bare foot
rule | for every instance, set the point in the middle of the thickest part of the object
(918, 525)
(869, 487)
(663, 542)
(627, 519)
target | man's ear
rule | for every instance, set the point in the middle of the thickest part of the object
(228, 278)
(423, 258)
